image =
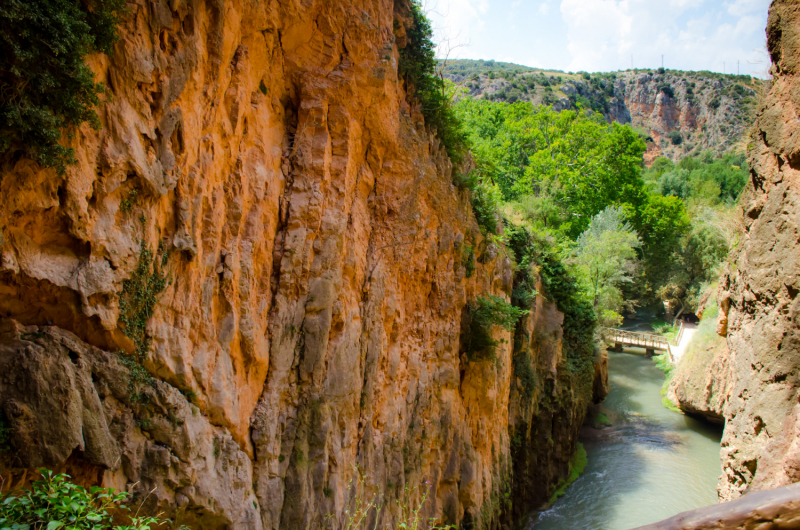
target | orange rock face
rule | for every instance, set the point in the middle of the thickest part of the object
(313, 242)
(760, 310)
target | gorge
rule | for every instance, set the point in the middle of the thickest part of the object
(271, 286)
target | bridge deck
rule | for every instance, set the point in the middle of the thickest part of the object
(648, 341)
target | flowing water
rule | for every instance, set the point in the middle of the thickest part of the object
(650, 465)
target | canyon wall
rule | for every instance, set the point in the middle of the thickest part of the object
(265, 206)
(759, 306)
(712, 112)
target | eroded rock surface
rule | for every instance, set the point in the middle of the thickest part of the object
(760, 309)
(315, 247)
(702, 381)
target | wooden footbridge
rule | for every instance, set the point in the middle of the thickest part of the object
(649, 341)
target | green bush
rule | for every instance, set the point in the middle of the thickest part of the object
(468, 260)
(577, 464)
(55, 502)
(45, 85)
(136, 304)
(418, 68)
(667, 89)
(676, 137)
(485, 197)
(486, 312)
(580, 319)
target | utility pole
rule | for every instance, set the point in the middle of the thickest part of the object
(723, 67)
(631, 61)
(737, 67)
(662, 61)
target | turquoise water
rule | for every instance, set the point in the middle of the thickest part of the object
(650, 465)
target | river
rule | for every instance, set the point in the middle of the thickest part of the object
(650, 465)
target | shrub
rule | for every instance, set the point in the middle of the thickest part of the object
(486, 312)
(45, 85)
(468, 260)
(136, 303)
(676, 137)
(667, 89)
(55, 502)
(418, 68)
(714, 103)
(485, 198)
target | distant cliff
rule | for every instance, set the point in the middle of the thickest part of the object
(679, 113)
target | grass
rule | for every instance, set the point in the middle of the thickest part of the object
(665, 328)
(602, 420)
(663, 364)
(577, 465)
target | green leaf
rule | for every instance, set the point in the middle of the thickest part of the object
(53, 525)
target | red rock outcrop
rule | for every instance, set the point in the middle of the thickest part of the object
(266, 155)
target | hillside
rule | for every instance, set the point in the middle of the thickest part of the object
(679, 113)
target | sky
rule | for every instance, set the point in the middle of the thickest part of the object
(603, 35)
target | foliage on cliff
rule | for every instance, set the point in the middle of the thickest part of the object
(45, 85)
(55, 502)
(482, 315)
(417, 68)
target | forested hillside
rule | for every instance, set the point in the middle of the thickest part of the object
(677, 113)
(632, 235)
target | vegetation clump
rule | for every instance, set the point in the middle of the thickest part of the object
(45, 85)
(55, 502)
(136, 304)
(482, 315)
(417, 68)
(577, 465)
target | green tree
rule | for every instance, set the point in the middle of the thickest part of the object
(45, 85)
(661, 224)
(574, 158)
(606, 258)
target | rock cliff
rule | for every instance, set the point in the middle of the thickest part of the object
(265, 223)
(701, 383)
(708, 111)
(759, 306)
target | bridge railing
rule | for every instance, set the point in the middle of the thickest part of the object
(636, 337)
(680, 336)
(639, 339)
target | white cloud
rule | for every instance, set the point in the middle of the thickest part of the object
(463, 19)
(740, 8)
(603, 34)
(544, 8)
